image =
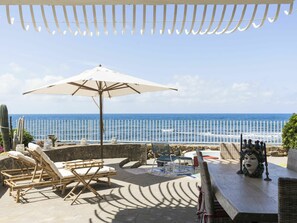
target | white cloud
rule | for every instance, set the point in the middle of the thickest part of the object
(240, 86)
(16, 68)
(33, 83)
(9, 84)
(195, 94)
(198, 94)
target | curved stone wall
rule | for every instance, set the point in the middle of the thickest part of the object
(134, 152)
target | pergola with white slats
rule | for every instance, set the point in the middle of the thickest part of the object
(191, 17)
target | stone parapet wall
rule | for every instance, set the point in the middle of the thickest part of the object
(229, 150)
(180, 149)
(134, 152)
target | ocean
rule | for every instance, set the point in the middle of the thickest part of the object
(174, 128)
(235, 117)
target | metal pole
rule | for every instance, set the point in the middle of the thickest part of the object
(263, 146)
(240, 163)
(101, 122)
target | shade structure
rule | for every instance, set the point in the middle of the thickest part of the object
(190, 17)
(100, 82)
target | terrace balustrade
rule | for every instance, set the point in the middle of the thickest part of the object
(171, 131)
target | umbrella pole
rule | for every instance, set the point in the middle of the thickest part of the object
(101, 123)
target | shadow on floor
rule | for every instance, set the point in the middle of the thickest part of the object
(141, 177)
(152, 214)
(3, 190)
(170, 201)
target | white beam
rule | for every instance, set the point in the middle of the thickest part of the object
(141, 2)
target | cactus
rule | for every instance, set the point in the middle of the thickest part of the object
(4, 127)
(11, 132)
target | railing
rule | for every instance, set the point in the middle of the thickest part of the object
(172, 131)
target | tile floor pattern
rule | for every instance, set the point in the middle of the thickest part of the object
(135, 196)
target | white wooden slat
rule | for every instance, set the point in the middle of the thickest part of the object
(76, 21)
(86, 21)
(239, 22)
(45, 21)
(124, 18)
(193, 20)
(220, 21)
(114, 19)
(25, 27)
(290, 10)
(142, 31)
(263, 19)
(211, 21)
(174, 20)
(134, 19)
(154, 19)
(56, 20)
(164, 19)
(178, 32)
(251, 20)
(67, 20)
(10, 20)
(230, 21)
(104, 19)
(271, 20)
(95, 20)
(202, 21)
(37, 29)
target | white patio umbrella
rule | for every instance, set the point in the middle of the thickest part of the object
(102, 83)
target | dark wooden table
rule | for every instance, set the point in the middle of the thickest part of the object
(245, 198)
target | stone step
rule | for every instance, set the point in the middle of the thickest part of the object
(131, 164)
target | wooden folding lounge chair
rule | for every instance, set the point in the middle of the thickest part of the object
(58, 178)
(25, 167)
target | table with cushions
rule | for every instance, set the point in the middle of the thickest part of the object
(245, 198)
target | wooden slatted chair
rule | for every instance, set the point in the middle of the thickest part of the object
(209, 210)
(287, 200)
(58, 178)
(22, 164)
(26, 167)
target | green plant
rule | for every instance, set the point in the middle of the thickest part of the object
(53, 138)
(10, 130)
(4, 127)
(289, 134)
(26, 138)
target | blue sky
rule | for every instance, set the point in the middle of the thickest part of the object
(244, 72)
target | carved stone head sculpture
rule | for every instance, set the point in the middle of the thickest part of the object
(253, 158)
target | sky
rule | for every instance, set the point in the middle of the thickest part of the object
(244, 72)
